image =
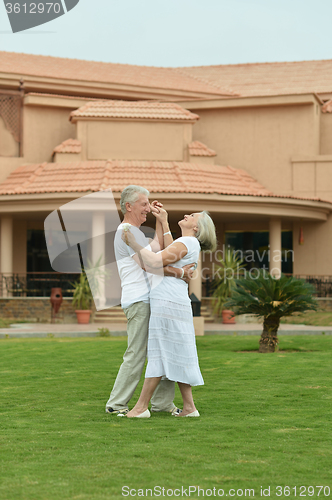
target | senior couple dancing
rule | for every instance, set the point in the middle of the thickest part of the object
(154, 276)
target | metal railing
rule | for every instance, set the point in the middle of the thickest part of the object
(36, 284)
(40, 284)
(322, 284)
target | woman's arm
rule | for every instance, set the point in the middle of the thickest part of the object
(171, 254)
(175, 272)
(157, 243)
(162, 218)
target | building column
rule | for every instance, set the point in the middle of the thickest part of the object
(98, 252)
(195, 285)
(275, 247)
(6, 250)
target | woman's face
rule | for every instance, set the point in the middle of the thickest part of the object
(190, 221)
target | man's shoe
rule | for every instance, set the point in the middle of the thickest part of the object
(176, 411)
(117, 412)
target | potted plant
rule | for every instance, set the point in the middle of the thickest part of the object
(89, 287)
(271, 298)
(227, 272)
(82, 299)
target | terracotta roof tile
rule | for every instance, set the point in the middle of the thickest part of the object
(133, 109)
(94, 71)
(197, 148)
(257, 79)
(69, 146)
(327, 107)
(157, 177)
(264, 79)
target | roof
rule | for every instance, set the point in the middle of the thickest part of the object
(161, 177)
(265, 79)
(197, 148)
(69, 146)
(94, 71)
(327, 107)
(133, 110)
(226, 80)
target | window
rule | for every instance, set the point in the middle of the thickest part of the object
(254, 248)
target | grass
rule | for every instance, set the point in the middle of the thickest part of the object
(5, 323)
(265, 421)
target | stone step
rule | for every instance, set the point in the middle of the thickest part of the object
(110, 320)
(116, 315)
(112, 315)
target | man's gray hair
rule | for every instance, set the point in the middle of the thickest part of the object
(130, 194)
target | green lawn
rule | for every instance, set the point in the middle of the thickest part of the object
(265, 421)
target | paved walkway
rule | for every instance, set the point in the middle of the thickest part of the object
(30, 330)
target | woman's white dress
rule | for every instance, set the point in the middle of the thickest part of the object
(171, 346)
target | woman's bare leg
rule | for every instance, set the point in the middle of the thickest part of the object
(148, 389)
(187, 396)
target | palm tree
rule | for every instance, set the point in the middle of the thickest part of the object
(271, 298)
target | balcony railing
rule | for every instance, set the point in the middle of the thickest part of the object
(322, 284)
(35, 284)
(40, 284)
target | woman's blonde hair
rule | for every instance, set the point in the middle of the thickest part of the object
(206, 233)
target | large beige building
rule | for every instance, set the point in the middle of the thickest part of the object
(251, 143)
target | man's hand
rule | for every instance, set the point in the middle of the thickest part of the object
(188, 272)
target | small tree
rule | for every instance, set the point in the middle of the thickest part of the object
(227, 272)
(271, 298)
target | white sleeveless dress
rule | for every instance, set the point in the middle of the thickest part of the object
(171, 346)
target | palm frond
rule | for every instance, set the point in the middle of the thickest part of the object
(267, 296)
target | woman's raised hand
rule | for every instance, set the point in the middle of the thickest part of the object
(155, 206)
(161, 215)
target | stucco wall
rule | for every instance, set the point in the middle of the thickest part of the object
(261, 140)
(326, 134)
(8, 145)
(45, 128)
(314, 256)
(313, 177)
(124, 140)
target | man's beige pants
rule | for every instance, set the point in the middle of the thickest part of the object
(130, 372)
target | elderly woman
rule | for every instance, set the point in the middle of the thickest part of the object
(171, 346)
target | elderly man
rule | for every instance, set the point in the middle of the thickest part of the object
(135, 286)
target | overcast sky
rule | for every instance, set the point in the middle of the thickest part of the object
(181, 32)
